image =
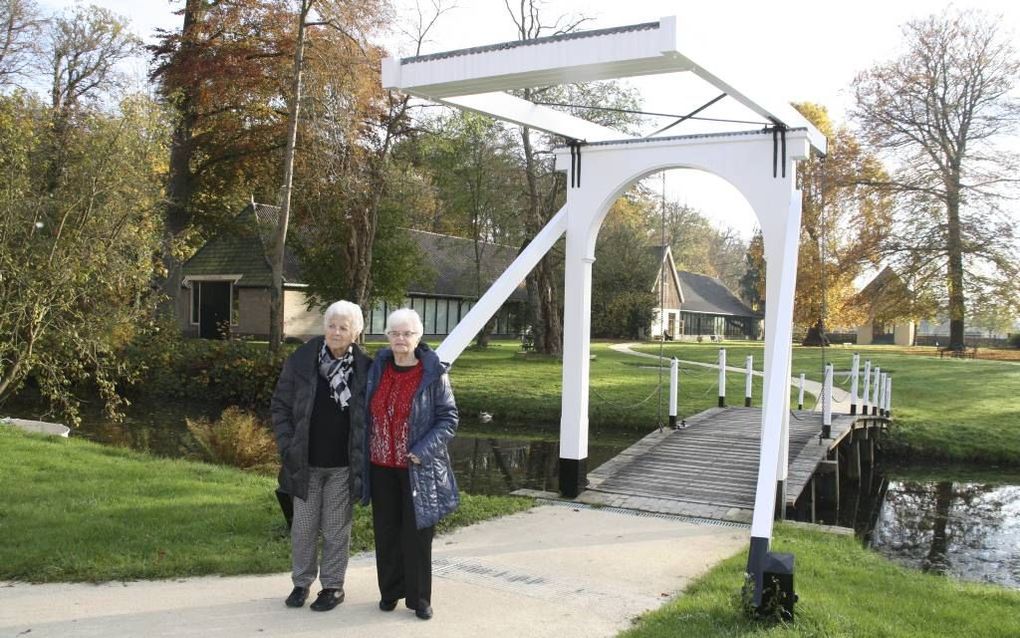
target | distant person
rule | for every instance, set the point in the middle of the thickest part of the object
(319, 420)
(411, 419)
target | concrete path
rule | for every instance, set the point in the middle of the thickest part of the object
(556, 570)
(840, 397)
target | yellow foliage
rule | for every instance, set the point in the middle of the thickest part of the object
(238, 439)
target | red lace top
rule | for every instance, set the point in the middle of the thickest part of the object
(391, 407)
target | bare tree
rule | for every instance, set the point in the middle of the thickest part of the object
(85, 46)
(543, 298)
(20, 25)
(939, 109)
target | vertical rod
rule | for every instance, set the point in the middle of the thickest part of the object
(888, 397)
(876, 377)
(827, 403)
(800, 393)
(854, 370)
(674, 390)
(866, 377)
(747, 381)
(881, 394)
(722, 377)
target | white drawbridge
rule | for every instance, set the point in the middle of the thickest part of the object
(602, 163)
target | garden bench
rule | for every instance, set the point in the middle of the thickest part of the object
(966, 353)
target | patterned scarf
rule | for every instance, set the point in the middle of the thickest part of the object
(337, 372)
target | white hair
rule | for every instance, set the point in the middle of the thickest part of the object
(405, 315)
(345, 310)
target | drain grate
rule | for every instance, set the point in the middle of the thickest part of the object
(629, 512)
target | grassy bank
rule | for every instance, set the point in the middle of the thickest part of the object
(844, 590)
(945, 409)
(79, 511)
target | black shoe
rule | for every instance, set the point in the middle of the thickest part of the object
(328, 599)
(424, 611)
(387, 605)
(297, 597)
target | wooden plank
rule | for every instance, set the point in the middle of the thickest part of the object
(715, 460)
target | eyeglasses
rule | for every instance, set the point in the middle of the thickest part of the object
(406, 334)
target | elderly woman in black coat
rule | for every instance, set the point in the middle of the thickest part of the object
(319, 420)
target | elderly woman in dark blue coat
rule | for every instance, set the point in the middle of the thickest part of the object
(411, 418)
(319, 420)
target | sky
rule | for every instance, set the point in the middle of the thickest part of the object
(800, 50)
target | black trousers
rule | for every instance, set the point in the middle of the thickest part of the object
(403, 553)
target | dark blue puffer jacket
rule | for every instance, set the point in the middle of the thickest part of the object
(432, 424)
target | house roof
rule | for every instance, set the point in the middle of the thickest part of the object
(449, 266)
(877, 285)
(448, 262)
(709, 295)
(242, 249)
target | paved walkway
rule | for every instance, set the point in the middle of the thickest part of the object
(557, 570)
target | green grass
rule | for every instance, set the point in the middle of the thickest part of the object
(844, 590)
(960, 410)
(79, 511)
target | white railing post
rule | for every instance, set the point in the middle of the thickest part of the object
(881, 394)
(800, 393)
(827, 403)
(888, 397)
(722, 377)
(674, 391)
(866, 377)
(747, 381)
(877, 376)
(854, 369)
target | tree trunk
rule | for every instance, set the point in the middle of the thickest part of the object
(548, 327)
(280, 240)
(954, 275)
(181, 181)
(816, 335)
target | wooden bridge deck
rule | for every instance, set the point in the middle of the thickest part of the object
(709, 469)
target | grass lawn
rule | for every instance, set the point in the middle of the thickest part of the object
(79, 511)
(945, 409)
(844, 590)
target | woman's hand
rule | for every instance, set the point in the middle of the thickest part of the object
(414, 459)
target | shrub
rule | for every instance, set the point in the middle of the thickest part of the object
(238, 439)
(1014, 340)
(233, 372)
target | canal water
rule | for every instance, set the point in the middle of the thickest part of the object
(966, 529)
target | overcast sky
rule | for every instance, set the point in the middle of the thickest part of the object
(803, 50)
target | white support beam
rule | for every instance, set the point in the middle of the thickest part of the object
(501, 289)
(513, 109)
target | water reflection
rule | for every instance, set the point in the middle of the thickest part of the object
(968, 530)
(486, 465)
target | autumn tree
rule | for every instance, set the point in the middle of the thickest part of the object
(844, 220)
(354, 190)
(225, 75)
(939, 110)
(624, 272)
(752, 283)
(76, 256)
